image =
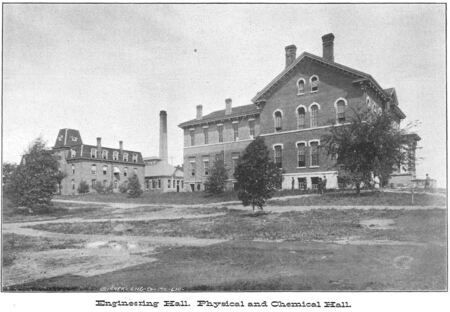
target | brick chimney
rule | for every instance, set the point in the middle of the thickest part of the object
(228, 106)
(163, 135)
(328, 49)
(121, 147)
(199, 111)
(99, 147)
(291, 54)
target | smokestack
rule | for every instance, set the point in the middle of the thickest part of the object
(121, 147)
(199, 111)
(99, 147)
(291, 54)
(163, 135)
(328, 47)
(228, 107)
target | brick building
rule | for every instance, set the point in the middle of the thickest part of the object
(94, 163)
(291, 113)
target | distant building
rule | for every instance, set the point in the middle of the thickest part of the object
(292, 112)
(94, 163)
(159, 174)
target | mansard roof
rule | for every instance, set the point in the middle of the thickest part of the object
(83, 152)
(360, 77)
(217, 116)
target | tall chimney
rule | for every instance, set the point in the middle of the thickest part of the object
(163, 135)
(291, 54)
(328, 49)
(199, 111)
(121, 147)
(228, 107)
(99, 147)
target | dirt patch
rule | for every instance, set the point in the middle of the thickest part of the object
(378, 224)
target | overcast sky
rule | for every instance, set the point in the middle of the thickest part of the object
(107, 70)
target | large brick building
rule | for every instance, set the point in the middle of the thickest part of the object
(291, 113)
(94, 163)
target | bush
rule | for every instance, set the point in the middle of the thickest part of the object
(83, 187)
(215, 184)
(103, 189)
(123, 187)
(134, 187)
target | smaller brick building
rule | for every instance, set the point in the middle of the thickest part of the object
(94, 163)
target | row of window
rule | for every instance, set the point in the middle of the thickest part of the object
(94, 181)
(313, 117)
(115, 155)
(302, 151)
(313, 84)
(207, 164)
(157, 183)
(105, 170)
(235, 125)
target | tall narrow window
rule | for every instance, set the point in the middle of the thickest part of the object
(125, 171)
(220, 132)
(340, 106)
(301, 155)
(314, 115)
(278, 121)
(235, 131)
(93, 153)
(115, 155)
(73, 153)
(192, 134)
(73, 169)
(135, 158)
(314, 83)
(105, 154)
(192, 164)
(301, 86)
(73, 184)
(314, 153)
(205, 135)
(206, 166)
(251, 128)
(235, 159)
(278, 156)
(125, 156)
(219, 156)
(105, 169)
(301, 114)
(94, 169)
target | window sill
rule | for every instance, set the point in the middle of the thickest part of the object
(314, 166)
(314, 91)
(300, 93)
(301, 167)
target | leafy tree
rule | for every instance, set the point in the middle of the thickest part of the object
(7, 172)
(257, 175)
(370, 144)
(103, 189)
(83, 187)
(123, 187)
(215, 184)
(134, 187)
(34, 181)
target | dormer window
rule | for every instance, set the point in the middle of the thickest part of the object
(93, 153)
(301, 86)
(105, 154)
(314, 81)
(125, 156)
(115, 155)
(278, 120)
(135, 158)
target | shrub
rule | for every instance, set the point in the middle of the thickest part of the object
(103, 189)
(123, 187)
(83, 187)
(134, 187)
(215, 184)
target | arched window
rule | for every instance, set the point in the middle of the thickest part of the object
(314, 81)
(314, 115)
(340, 110)
(105, 169)
(94, 169)
(314, 151)
(301, 86)
(278, 118)
(301, 116)
(278, 157)
(301, 154)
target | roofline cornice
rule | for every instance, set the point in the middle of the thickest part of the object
(215, 120)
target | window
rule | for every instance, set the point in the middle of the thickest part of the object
(159, 183)
(125, 171)
(116, 184)
(235, 131)
(301, 86)
(105, 154)
(205, 135)
(314, 115)
(73, 184)
(93, 153)
(169, 183)
(115, 155)
(73, 153)
(219, 156)
(93, 181)
(314, 146)
(125, 156)
(235, 159)
(135, 158)
(220, 131)
(278, 156)
(105, 169)
(206, 166)
(192, 164)
(192, 134)
(301, 114)
(174, 183)
(314, 83)
(340, 108)
(94, 169)
(278, 120)
(73, 169)
(251, 128)
(301, 155)
(135, 171)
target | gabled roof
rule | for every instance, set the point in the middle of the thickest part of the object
(238, 111)
(359, 75)
(161, 169)
(393, 96)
